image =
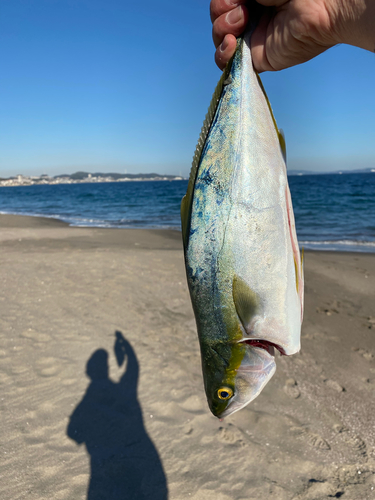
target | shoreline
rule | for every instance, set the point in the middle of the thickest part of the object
(42, 219)
(27, 221)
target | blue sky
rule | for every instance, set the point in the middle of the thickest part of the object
(109, 85)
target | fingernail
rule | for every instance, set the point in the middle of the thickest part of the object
(224, 44)
(234, 16)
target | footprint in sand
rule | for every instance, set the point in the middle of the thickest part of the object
(362, 352)
(230, 435)
(19, 369)
(49, 371)
(357, 445)
(319, 489)
(368, 383)
(332, 384)
(339, 428)
(4, 378)
(205, 494)
(35, 336)
(314, 336)
(330, 308)
(192, 404)
(313, 439)
(291, 389)
(317, 441)
(69, 381)
(352, 474)
(47, 367)
(187, 428)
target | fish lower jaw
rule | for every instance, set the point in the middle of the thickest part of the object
(266, 345)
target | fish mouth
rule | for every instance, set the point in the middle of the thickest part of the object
(266, 345)
(257, 367)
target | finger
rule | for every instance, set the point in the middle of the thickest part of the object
(232, 23)
(219, 7)
(225, 51)
(273, 3)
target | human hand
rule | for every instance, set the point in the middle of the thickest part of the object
(120, 348)
(291, 32)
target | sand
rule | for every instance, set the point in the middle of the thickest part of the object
(74, 299)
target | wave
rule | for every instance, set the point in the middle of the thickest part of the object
(339, 245)
(75, 221)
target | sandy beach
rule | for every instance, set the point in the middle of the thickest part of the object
(101, 386)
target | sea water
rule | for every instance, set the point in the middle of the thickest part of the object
(332, 212)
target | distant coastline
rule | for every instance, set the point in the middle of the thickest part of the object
(84, 177)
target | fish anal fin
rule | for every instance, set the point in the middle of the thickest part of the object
(296, 272)
(245, 300)
(282, 143)
(279, 132)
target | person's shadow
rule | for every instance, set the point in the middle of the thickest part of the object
(124, 462)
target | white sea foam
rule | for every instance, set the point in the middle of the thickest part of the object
(340, 245)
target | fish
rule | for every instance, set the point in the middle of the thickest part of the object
(243, 264)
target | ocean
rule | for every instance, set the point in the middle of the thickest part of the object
(332, 212)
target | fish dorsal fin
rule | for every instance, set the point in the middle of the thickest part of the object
(187, 199)
(280, 133)
(245, 300)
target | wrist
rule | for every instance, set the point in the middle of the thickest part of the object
(354, 22)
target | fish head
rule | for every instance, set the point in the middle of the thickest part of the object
(239, 378)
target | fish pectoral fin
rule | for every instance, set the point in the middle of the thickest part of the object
(245, 300)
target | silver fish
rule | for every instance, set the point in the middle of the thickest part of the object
(243, 264)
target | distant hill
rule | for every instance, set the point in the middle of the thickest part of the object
(84, 177)
(114, 175)
(78, 176)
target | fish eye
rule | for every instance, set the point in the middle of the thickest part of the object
(225, 393)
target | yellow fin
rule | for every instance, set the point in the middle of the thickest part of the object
(245, 300)
(280, 133)
(296, 272)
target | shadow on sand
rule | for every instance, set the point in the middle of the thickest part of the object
(124, 462)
